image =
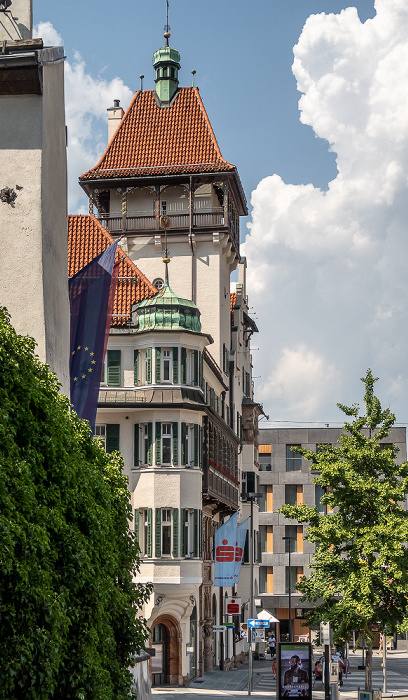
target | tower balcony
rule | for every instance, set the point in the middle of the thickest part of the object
(201, 221)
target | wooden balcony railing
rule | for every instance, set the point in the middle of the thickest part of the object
(135, 224)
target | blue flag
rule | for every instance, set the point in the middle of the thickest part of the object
(225, 544)
(90, 295)
(239, 548)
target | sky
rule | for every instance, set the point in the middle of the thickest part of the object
(309, 99)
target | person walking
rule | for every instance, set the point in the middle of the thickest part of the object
(272, 644)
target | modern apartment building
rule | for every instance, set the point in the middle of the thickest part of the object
(285, 477)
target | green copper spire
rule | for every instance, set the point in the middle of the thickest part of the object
(166, 62)
(166, 311)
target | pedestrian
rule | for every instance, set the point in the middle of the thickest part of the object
(274, 668)
(381, 644)
(272, 644)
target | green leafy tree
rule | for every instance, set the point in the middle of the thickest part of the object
(68, 604)
(359, 572)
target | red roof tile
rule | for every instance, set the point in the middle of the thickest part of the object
(87, 238)
(152, 140)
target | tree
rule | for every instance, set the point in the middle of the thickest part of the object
(359, 572)
(68, 603)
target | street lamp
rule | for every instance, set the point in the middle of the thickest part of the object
(290, 589)
(251, 497)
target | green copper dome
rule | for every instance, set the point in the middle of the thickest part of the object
(167, 312)
(166, 62)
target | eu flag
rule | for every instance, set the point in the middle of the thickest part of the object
(91, 294)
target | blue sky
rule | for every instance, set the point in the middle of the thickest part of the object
(309, 99)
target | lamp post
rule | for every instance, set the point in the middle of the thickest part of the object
(290, 590)
(251, 497)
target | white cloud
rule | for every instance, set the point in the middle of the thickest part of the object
(327, 270)
(86, 100)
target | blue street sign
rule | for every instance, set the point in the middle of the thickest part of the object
(258, 623)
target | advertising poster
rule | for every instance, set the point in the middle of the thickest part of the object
(295, 677)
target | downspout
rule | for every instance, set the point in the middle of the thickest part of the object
(190, 238)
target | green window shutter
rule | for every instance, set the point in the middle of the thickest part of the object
(112, 437)
(149, 531)
(157, 533)
(158, 444)
(175, 366)
(136, 524)
(158, 365)
(200, 446)
(200, 535)
(196, 368)
(113, 367)
(183, 444)
(148, 366)
(136, 367)
(175, 445)
(136, 452)
(201, 370)
(196, 446)
(183, 539)
(175, 532)
(183, 365)
(195, 532)
(150, 444)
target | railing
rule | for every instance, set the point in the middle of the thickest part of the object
(152, 223)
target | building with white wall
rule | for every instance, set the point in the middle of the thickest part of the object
(33, 187)
(177, 396)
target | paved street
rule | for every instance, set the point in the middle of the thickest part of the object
(234, 684)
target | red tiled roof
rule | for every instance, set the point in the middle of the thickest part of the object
(152, 140)
(87, 238)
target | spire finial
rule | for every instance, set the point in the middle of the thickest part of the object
(167, 26)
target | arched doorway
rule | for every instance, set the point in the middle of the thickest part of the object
(166, 639)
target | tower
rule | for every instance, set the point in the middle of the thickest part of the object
(163, 170)
(33, 186)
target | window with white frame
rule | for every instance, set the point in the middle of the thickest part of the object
(188, 533)
(166, 532)
(144, 533)
(189, 445)
(167, 365)
(167, 434)
(100, 432)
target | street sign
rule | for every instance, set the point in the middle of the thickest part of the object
(244, 630)
(232, 606)
(258, 635)
(219, 628)
(230, 625)
(258, 623)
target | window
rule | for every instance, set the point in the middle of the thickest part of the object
(166, 443)
(293, 494)
(290, 494)
(293, 460)
(293, 572)
(265, 458)
(111, 373)
(266, 579)
(109, 434)
(291, 531)
(164, 204)
(100, 432)
(166, 366)
(143, 444)
(158, 283)
(166, 532)
(143, 530)
(188, 533)
(319, 493)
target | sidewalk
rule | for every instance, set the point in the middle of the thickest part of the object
(234, 683)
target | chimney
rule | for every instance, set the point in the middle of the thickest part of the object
(115, 115)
